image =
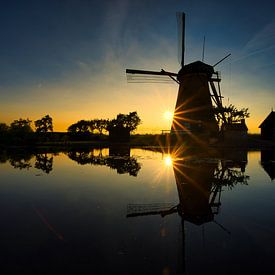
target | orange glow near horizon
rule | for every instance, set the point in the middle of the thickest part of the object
(150, 107)
(145, 127)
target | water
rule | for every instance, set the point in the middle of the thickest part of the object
(136, 211)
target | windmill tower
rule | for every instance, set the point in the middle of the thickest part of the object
(196, 95)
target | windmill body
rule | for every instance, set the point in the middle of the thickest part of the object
(194, 110)
(197, 93)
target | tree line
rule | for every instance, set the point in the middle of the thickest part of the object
(20, 131)
(122, 121)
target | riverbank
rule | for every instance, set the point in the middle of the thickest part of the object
(252, 142)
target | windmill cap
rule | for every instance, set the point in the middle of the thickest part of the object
(196, 67)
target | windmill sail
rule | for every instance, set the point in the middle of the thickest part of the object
(142, 76)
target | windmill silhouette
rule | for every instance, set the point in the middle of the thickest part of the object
(196, 95)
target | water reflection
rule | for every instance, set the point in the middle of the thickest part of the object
(268, 163)
(44, 162)
(75, 218)
(200, 181)
(19, 160)
(117, 158)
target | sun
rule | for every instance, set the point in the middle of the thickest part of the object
(168, 161)
(168, 115)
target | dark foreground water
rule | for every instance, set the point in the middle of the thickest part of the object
(135, 211)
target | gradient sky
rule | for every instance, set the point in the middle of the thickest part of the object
(68, 58)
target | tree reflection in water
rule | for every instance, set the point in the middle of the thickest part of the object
(22, 159)
(19, 159)
(44, 162)
(20, 163)
(119, 160)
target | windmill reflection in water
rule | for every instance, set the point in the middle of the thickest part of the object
(199, 181)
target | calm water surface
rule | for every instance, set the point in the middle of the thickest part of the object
(136, 211)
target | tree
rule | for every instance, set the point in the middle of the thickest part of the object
(230, 114)
(4, 132)
(101, 125)
(3, 128)
(92, 125)
(120, 128)
(129, 122)
(44, 125)
(82, 126)
(21, 125)
(132, 121)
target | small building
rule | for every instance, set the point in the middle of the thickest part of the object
(268, 127)
(235, 131)
(119, 134)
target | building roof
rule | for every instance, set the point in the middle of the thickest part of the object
(269, 120)
(237, 126)
(195, 68)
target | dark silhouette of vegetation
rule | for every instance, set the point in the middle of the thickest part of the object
(230, 114)
(129, 122)
(21, 125)
(80, 127)
(100, 125)
(44, 125)
(3, 127)
(121, 127)
(87, 129)
(4, 133)
(80, 130)
(20, 132)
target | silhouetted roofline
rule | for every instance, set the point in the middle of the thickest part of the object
(196, 67)
(270, 117)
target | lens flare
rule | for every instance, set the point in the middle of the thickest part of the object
(168, 160)
(168, 115)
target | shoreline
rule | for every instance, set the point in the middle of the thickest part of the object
(153, 141)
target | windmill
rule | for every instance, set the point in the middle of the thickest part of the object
(196, 95)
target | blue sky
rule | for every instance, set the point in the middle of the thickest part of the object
(68, 58)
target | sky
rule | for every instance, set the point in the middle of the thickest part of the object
(67, 58)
